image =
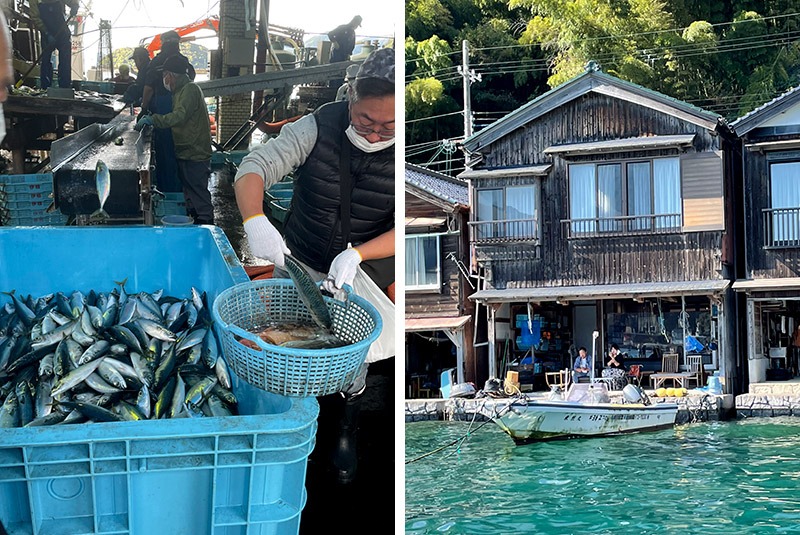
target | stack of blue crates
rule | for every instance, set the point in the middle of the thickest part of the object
(24, 200)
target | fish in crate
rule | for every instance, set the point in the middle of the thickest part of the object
(110, 356)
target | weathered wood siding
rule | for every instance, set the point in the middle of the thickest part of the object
(594, 117)
(447, 300)
(760, 262)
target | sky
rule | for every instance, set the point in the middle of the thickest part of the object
(133, 20)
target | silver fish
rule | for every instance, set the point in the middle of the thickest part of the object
(221, 370)
(96, 382)
(143, 370)
(309, 292)
(102, 177)
(156, 330)
(75, 377)
(9, 412)
(111, 375)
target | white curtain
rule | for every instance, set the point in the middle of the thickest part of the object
(521, 204)
(490, 208)
(784, 181)
(422, 261)
(411, 261)
(667, 191)
(639, 194)
(609, 196)
(582, 197)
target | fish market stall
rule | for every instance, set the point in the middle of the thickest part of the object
(112, 471)
(127, 157)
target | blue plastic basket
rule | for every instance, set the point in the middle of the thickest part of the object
(291, 371)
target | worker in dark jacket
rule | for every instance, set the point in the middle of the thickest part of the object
(48, 17)
(156, 99)
(316, 147)
(141, 58)
(191, 132)
(343, 39)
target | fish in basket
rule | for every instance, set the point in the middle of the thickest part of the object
(284, 336)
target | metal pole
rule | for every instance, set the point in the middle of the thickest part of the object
(595, 334)
(467, 81)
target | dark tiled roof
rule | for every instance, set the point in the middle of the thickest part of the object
(447, 188)
(751, 119)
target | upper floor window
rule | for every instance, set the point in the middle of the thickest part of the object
(423, 269)
(782, 219)
(510, 213)
(624, 197)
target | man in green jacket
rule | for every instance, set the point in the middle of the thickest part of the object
(48, 17)
(191, 131)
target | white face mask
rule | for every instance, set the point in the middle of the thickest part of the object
(2, 124)
(361, 143)
(166, 85)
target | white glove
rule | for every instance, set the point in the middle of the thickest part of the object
(343, 270)
(265, 241)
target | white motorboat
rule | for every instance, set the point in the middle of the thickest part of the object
(585, 410)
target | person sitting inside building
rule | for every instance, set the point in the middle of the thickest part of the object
(581, 367)
(124, 75)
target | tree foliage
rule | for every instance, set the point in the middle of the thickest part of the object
(726, 56)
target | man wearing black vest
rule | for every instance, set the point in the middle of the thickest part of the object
(350, 141)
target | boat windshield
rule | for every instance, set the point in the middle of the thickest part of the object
(588, 393)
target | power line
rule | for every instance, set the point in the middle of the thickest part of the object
(434, 117)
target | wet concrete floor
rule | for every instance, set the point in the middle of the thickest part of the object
(367, 504)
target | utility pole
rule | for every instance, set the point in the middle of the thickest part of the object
(469, 77)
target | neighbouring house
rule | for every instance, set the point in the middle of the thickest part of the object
(604, 206)
(769, 274)
(438, 313)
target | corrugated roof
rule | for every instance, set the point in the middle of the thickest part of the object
(436, 324)
(535, 170)
(751, 120)
(788, 283)
(602, 291)
(589, 81)
(447, 188)
(617, 145)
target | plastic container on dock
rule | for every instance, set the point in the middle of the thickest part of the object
(235, 475)
(171, 204)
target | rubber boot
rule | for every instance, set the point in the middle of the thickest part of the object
(345, 454)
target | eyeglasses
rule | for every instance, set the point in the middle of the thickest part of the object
(362, 130)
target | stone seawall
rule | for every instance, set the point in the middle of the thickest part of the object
(748, 405)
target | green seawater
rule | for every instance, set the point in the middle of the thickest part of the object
(715, 478)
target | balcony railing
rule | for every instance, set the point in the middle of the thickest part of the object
(505, 231)
(634, 225)
(781, 227)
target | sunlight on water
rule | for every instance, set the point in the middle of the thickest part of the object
(716, 478)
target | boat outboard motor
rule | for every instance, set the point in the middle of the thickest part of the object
(492, 387)
(634, 394)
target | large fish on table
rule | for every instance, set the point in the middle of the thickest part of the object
(102, 177)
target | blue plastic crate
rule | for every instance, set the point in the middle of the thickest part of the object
(19, 203)
(200, 476)
(38, 183)
(171, 204)
(279, 208)
(234, 475)
(100, 87)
